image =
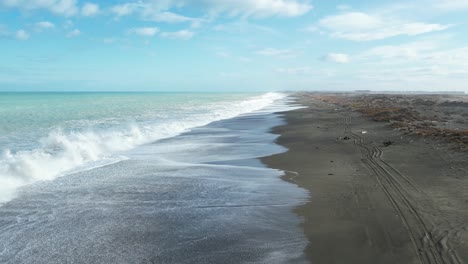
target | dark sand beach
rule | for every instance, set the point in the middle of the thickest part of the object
(381, 190)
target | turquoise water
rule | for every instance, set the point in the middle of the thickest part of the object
(26, 116)
(45, 135)
(201, 196)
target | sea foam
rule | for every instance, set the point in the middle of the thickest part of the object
(64, 152)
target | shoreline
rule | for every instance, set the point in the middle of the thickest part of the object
(200, 197)
(372, 203)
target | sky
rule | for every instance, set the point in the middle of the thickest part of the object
(233, 45)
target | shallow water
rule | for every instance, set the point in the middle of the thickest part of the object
(200, 197)
(46, 135)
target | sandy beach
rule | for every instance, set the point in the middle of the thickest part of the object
(379, 192)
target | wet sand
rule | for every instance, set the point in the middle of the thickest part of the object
(200, 197)
(370, 202)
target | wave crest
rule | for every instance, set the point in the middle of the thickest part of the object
(63, 152)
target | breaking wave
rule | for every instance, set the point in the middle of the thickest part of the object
(63, 152)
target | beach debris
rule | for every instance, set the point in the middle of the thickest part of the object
(387, 143)
(342, 138)
(331, 174)
(363, 132)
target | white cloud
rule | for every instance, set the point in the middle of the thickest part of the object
(259, 9)
(59, 7)
(425, 77)
(413, 50)
(21, 35)
(182, 34)
(166, 16)
(124, 9)
(170, 17)
(158, 10)
(74, 33)
(428, 53)
(39, 26)
(154, 11)
(450, 5)
(145, 31)
(244, 27)
(351, 21)
(336, 57)
(358, 26)
(90, 9)
(285, 53)
(147, 9)
(421, 63)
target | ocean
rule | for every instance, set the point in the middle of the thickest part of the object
(144, 178)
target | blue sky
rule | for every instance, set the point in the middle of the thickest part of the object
(233, 45)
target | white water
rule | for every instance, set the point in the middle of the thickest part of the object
(62, 152)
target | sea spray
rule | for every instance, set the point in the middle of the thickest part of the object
(62, 152)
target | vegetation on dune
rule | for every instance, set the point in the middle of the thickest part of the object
(410, 114)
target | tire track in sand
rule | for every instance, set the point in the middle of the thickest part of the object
(397, 187)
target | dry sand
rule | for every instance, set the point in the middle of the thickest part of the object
(371, 203)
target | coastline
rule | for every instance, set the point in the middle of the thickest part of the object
(371, 203)
(200, 197)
